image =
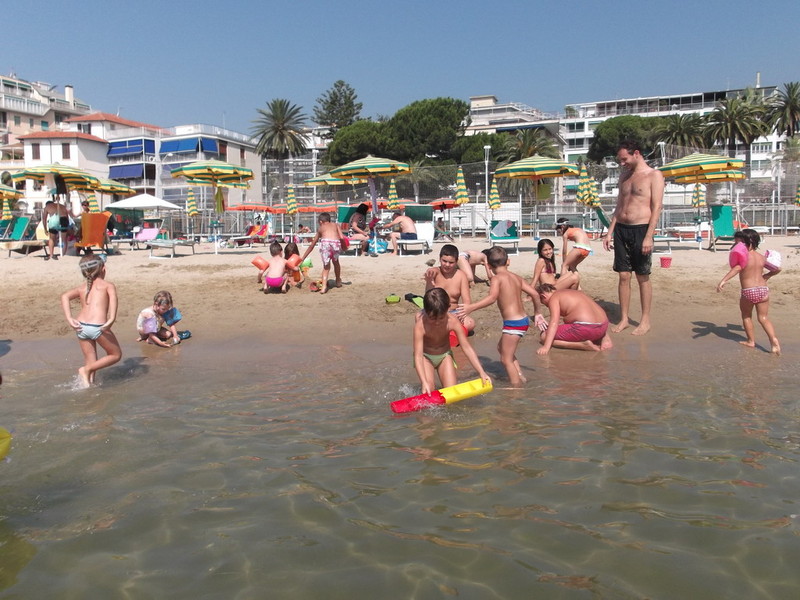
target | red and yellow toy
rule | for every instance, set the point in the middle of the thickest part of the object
(448, 395)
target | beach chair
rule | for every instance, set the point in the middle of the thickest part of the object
(343, 215)
(4, 225)
(93, 230)
(423, 221)
(721, 226)
(16, 240)
(143, 236)
(254, 233)
(503, 232)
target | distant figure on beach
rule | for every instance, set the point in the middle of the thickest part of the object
(432, 352)
(98, 312)
(585, 325)
(329, 235)
(452, 280)
(469, 260)
(544, 271)
(408, 230)
(632, 228)
(581, 248)
(359, 230)
(439, 231)
(151, 323)
(57, 222)
(506, 289)
(755, 292)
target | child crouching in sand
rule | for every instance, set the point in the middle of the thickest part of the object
(329, 235)
(98, 312)
(432, 352)
(755, 292)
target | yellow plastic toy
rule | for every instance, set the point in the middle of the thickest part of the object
(5, 443)
(447, 395)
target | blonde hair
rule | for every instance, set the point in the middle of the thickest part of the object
(163, 298)
(91, 267)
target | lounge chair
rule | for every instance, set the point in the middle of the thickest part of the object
(4, 225)
(170, 245)
(16, 239)
(144, 235)
(93, 230)
(722, 229)
(423, 222)
(504, 233)
(254, 233)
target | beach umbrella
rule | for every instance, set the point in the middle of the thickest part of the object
(711, 177)
(494, 196)
(7, 196)
(537, 167)
(462, 195)
(191, 204)
(394, 203)
(6, 209)
(93, 205)
(277, 209)
(797, 195)
(442, 203)
(246, 207)
(697, 163)
(592, 197)
(291, 202)
(143, 202)
(72, 177)
(371, 167)
(698, 196)
(103, 185)
(328, 179)
(330, 206)
(215, 173)
(584, 186)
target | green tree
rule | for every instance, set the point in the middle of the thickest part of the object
(784, 109)
(279, 131)
(686, 130)
(529, 142)
(737, 119)
(356, 141)
(469, 148)
(426, 129)
(423, 174)
(337, 108)
(609, 133)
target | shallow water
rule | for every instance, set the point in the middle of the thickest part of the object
(219, 471)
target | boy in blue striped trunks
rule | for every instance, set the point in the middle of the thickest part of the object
(506, 289)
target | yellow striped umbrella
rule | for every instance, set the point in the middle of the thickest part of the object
(797, 195)
(93, 205)
(72, 177)
(328, 179)
(6, 216)
(537, 167)
(593, 198)
(494, 196)
(698, 196)
(584, 186)
(7, 197)
(712, 177)
(371, 167)
(462, 195)
(215, 173)
(191, 204)
(291, 202)
(697, 163)
(394, 202)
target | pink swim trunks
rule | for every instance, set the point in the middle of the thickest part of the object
(581, 332)
(755, 295)
(329, 250)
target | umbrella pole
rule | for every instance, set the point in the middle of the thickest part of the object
(373, 192)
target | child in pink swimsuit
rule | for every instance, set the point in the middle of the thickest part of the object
(755, 292)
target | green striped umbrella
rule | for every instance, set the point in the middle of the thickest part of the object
(7, 197)
(215, 173)
(291, 202)
(6, 209)
(712, 177)
(93, 205)
(592, 197)
(584, 186)
(797, 195)
(494, 196)
(698, 163)
(73, 177)
(371, 167)
(698, 196)
(394, 202)
(537, 167)
(462, 195)
(191, 204)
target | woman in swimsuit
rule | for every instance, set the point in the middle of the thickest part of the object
(581, 248)
(544, 271)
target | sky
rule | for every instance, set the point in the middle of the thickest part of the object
(173, 62)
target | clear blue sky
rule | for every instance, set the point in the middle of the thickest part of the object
(175, 62)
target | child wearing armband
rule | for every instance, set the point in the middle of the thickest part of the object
(156, 324)
(296, 275)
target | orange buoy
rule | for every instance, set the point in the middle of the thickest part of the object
(260, 262)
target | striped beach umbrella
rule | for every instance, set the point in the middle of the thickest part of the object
(537, 167)
(442, 203)
(215, 173)
(592, 197)
(278, 209)
(328, 206)
(93, 205)
(291, 201)
(697, 163)
(6, 209)
(191, 204)
(328, 179)
(7, 197)
(584, 186)
(698, 196)
(494, 196)
(797, 195)
(462, 195)
(371, 167)
(73, 178)
(394, 202)
(711, 177)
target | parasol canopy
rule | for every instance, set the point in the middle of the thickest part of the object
(291, 202)
(9, 193)
(328, 179)
(371, 167)
(73, 178)
(698, 196)
(214, 173)
(93, 205)
(797, 195)
(537, 167)
(698, 163)
(319, 207)
(191, 204)
(462, 195)
(494, 196)
(143, 202)
(442, 203)
(711, 177)
(245, 207)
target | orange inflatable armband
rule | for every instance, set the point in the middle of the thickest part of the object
(260, 262)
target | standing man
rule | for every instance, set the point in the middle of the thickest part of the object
(632, 227)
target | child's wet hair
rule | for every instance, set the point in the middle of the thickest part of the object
(544, 288)
(497, 256)
(325, 217)
(436, 302)
(162, 298)
(91, 266)
(751, 238)
(449, 250)
(275, 249)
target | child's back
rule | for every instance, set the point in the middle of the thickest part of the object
(509, 293)
(94, 308)
(752, 274)
(329, 231)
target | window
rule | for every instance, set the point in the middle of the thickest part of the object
(45, 126)
(17, 120)
(65, 151)
(593, 125)
(35, 153)
(574, 127)
(30, 122)
(3, 118)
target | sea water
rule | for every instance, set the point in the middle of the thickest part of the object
(233, 470)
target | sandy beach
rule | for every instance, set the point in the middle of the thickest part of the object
(220, 299)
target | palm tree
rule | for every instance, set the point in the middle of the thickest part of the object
(784, 109)
(682, 130)
(528, 142)
(279, 130)
(737, 119)
(422, 174)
